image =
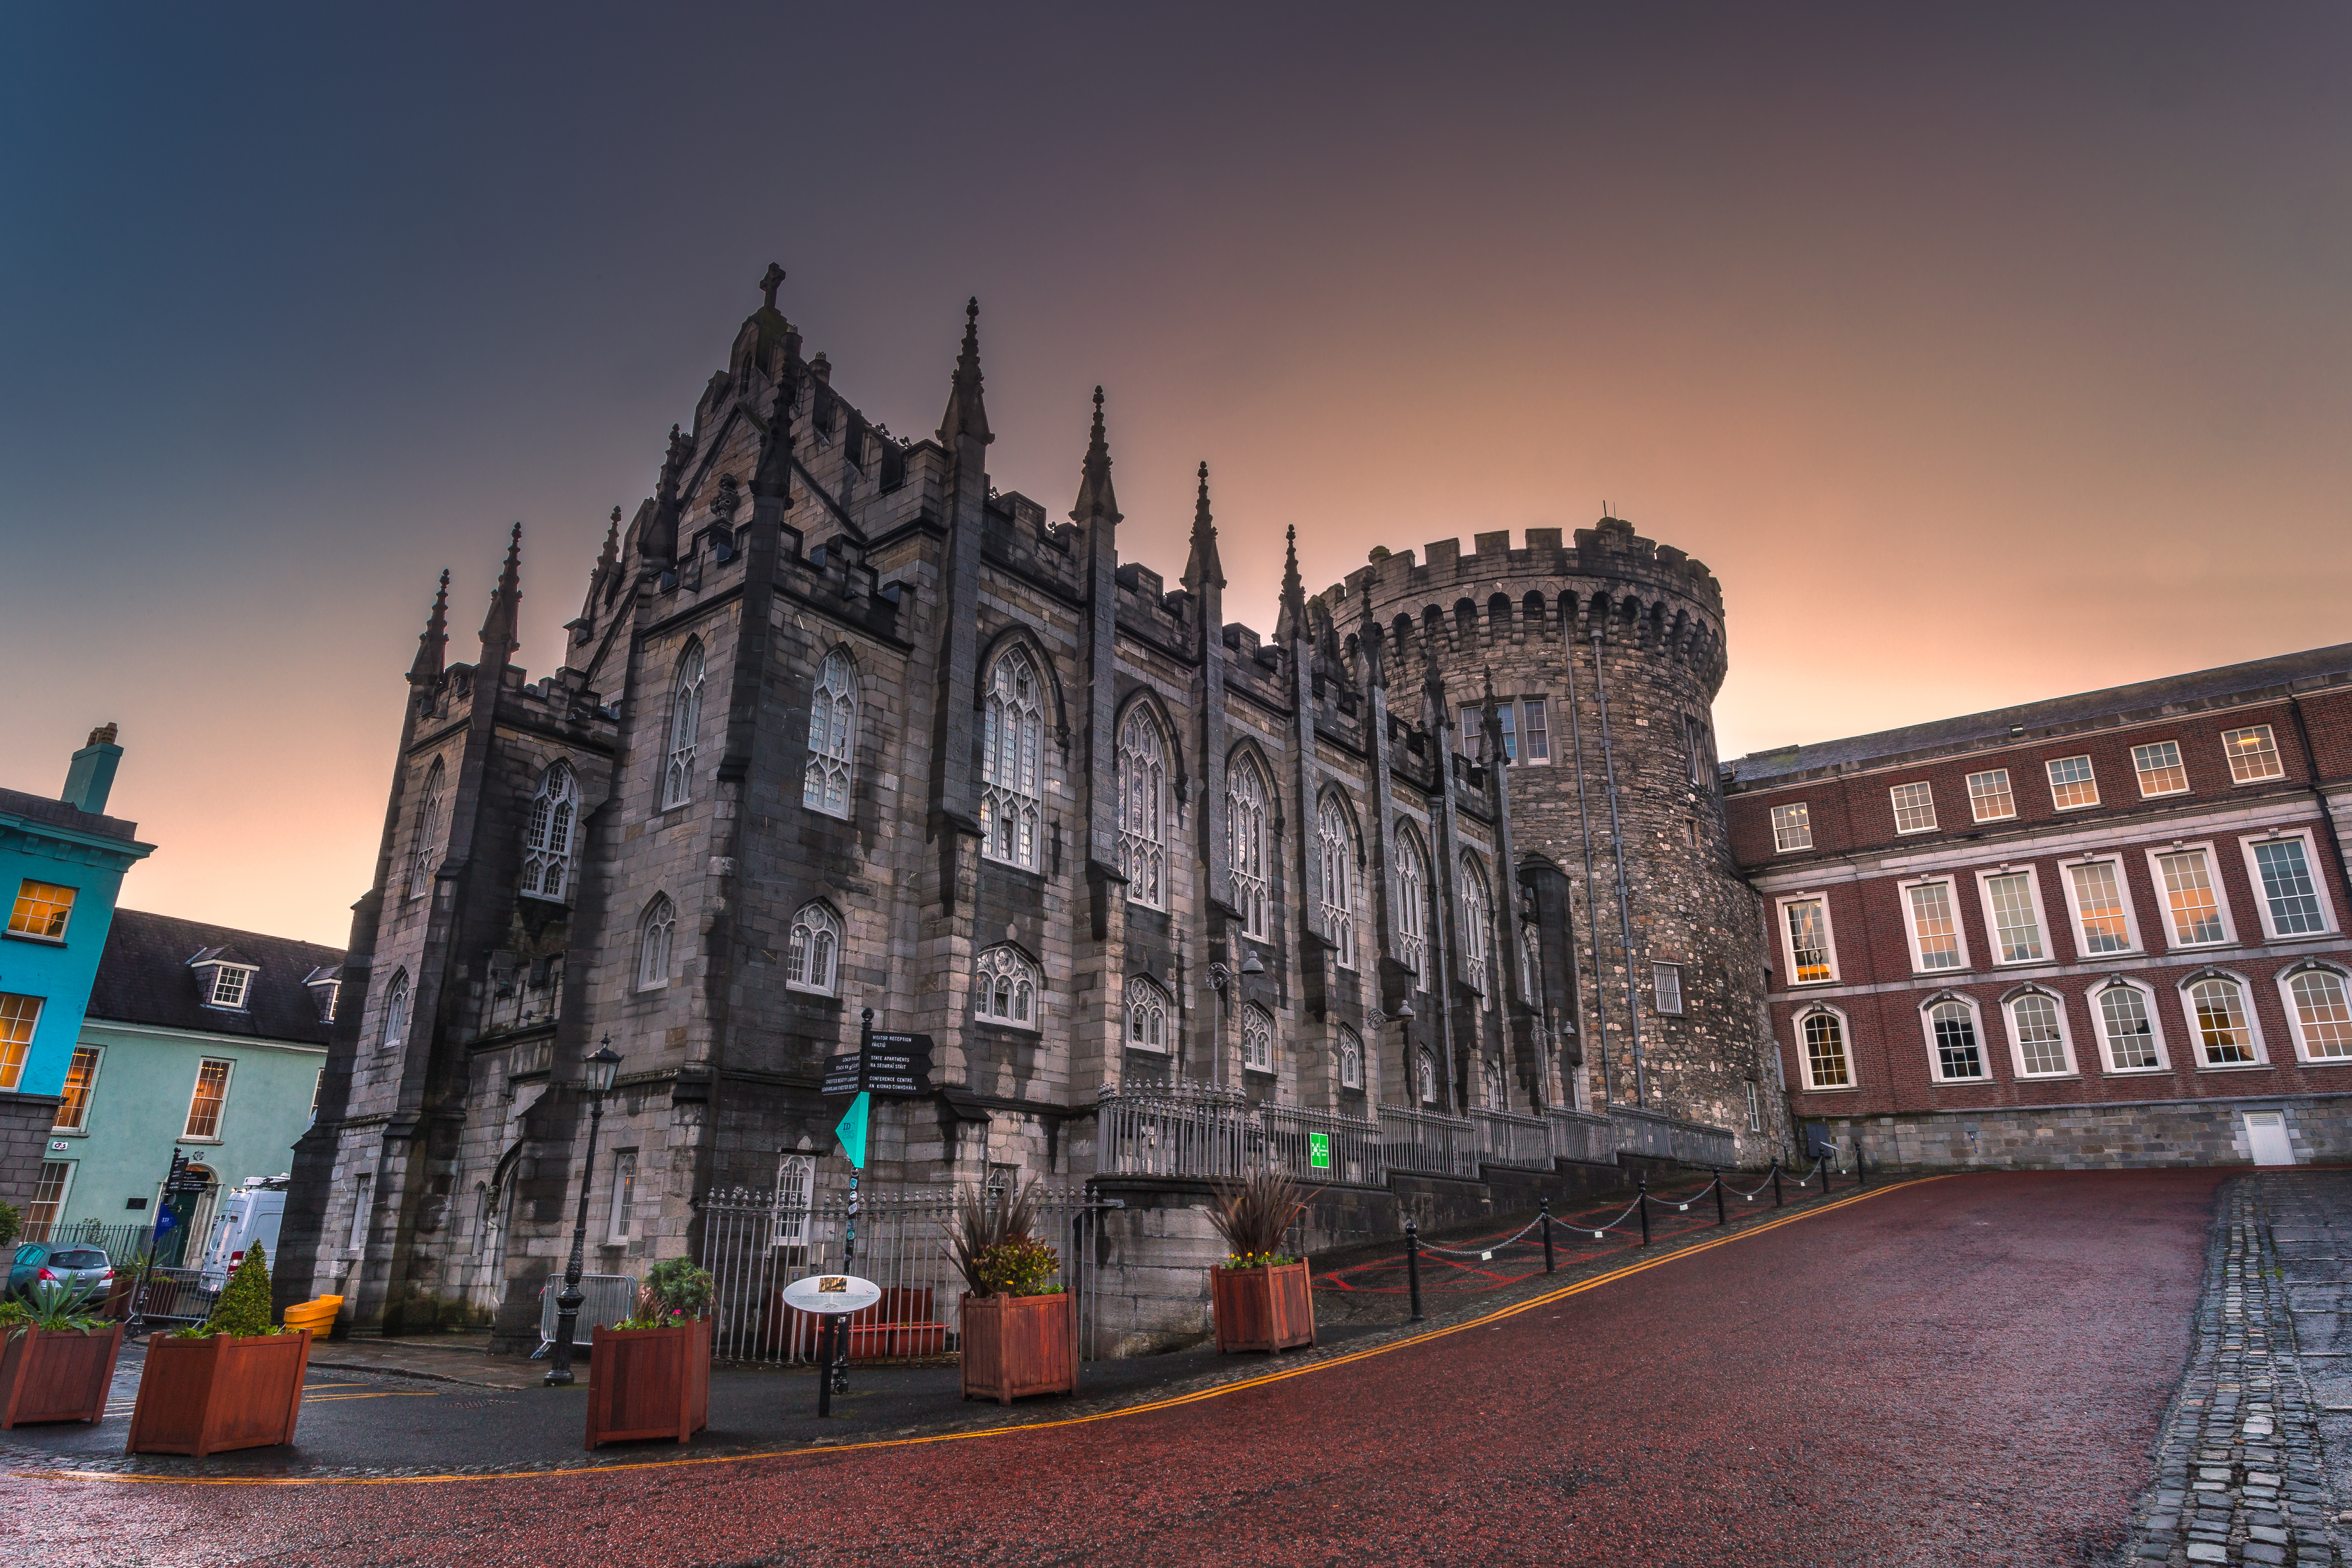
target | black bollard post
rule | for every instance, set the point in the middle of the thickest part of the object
(1776, 1181)
(1822, 1171)
(824, 1363)
(1860, 1178)
(1642, 1201)
(1719, 1216)
(1413, 1265)
(1547, 1224)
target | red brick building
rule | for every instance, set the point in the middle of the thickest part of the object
(2099, 930)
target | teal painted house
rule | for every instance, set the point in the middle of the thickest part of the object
(198, 1039)
(61, 865)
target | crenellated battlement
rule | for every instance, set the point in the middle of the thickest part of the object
(1610, 552)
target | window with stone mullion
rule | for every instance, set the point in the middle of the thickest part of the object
(1012, 804)
(1142, 821)
(547, 847)
(1246, 818)
(832, 737)
(1338, 847)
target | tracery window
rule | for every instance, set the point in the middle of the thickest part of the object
(1011, 800)
(1336, 840)
(1005, 988)
(795, 1196)
(427, 839)
(1245, 814)
(1477, 928)
(1412, 905)
(396, 1011)
(1143, 820)
(1531, 966)
(1257, 1039)
(547, 845)
(1351, 1059)
(654, 930)
(1147, 1015)
(813, 963)
(685, 725)
(1425, 1077)
(832, 736)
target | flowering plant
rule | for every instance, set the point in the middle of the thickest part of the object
(1259, 1260)
(675, 1293)
(1020, 1266)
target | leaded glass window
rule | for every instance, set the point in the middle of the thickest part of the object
(427, 834)
(1257, 1039)
(654, 930)
(812, 962)
(1005, 988)
(547, 843)
(1147, 1015)
(1245, 842)
(1412, 910)
(1013, 793)
(685, 728)
(1336, 841)
(1143, 809)
(832, 736)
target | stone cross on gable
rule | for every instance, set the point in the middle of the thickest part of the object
(773, 280)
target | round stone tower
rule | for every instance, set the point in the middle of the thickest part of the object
(1604, 658)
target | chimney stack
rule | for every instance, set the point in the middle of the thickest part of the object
(91, 778)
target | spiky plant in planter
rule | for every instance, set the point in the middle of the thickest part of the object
(1255, 1215)
(57, 1356)
(1017, 1327)
(1261, 1295)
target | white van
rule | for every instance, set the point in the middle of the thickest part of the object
(250, 1214)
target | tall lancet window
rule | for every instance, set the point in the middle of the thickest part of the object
(423, 849)
(1245, 814)
(1477, 930)
(1012, 798)
(396, 1012)
(1142, 816)
(832, 736)
(654, 930)
(1413, 909)
(685, 725)
(547, 846)
(1336, 840)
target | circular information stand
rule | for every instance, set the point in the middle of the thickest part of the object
(829, 1293)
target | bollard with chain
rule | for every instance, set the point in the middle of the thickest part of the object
(1719, 1217)
(1545, 1206)
(1776, 1181)
(1642, 1201)
(1413, 1265)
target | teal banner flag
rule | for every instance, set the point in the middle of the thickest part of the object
(851, 1131)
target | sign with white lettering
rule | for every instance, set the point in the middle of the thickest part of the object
(823, 1293)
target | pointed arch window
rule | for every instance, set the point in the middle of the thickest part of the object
(685, 725)
(1257, 1039)
(1142, 812)
(832, 736)
(547, 846)
(1426, 1077)
(1005, 988)
(1147, 1015)
(1531, 966)
(1245, 852)
(427, 839)
(396, 1012)
(813, 963)
(1477, 925)
(1351, 1059)
(1413, 909)
(1335, 835)
(655, 930)
(1011, 800)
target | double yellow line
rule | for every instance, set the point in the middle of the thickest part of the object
(1218, 1391)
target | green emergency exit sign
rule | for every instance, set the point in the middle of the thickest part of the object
(1319, 1151)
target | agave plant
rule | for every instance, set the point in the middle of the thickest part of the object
(1256, 1211)
(57, 1307)
(985, 1221)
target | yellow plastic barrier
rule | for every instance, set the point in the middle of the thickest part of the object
(317, 1316)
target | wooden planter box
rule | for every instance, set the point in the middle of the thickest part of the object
(1270, 1308)
(203, 1397)
(648, 1383)
(1014, 1346)
(57, 1374)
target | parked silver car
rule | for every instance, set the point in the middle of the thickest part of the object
(66, 1262)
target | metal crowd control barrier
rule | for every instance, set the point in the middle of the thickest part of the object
(606, 1299)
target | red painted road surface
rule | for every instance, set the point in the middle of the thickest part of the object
(1961, 1372)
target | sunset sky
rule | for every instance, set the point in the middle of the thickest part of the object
(1983, 358)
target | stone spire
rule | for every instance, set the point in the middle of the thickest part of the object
(500, 625)
(771, 477)
(433, 641)
(1095, 497)
(660, 542)
(1291, 624)
(1201, 568)
(601, 578)
(966, 415)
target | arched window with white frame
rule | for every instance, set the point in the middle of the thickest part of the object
(2128, 1024)
(1477, 923)
(1143, 809)
(1351, 1059)
(393, 1029)
(1148, 1014)
(1413, 909)
(832, 736)
(1246, 810)
(1004, 986)
(2319, 1006)
(1824, 1058)
(1334, 836)
(547, 843)
(685, 728)
(2221, 1021)
(1257, 1039)
(655, 930)
(2037, 1030)
(422, 847)
(813, 960)
(1955, 1044)
(1013, 784)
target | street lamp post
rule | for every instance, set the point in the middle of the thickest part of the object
(600, 1071)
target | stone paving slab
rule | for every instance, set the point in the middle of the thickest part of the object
(2252, 1467)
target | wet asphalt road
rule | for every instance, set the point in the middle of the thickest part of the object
(1960, 1371)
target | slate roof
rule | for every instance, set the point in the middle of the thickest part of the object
(144, 978)
(58, 814)
(2147, 699)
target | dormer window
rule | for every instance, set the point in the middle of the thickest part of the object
(224, 976)
(325, 986)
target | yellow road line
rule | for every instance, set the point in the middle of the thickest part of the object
(1174, 1401)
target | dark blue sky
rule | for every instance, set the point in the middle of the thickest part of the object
(1984, 356)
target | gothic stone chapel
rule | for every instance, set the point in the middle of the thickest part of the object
(841, 727)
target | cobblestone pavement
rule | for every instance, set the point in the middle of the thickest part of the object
(1965, 1372)
(2243, 1470)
